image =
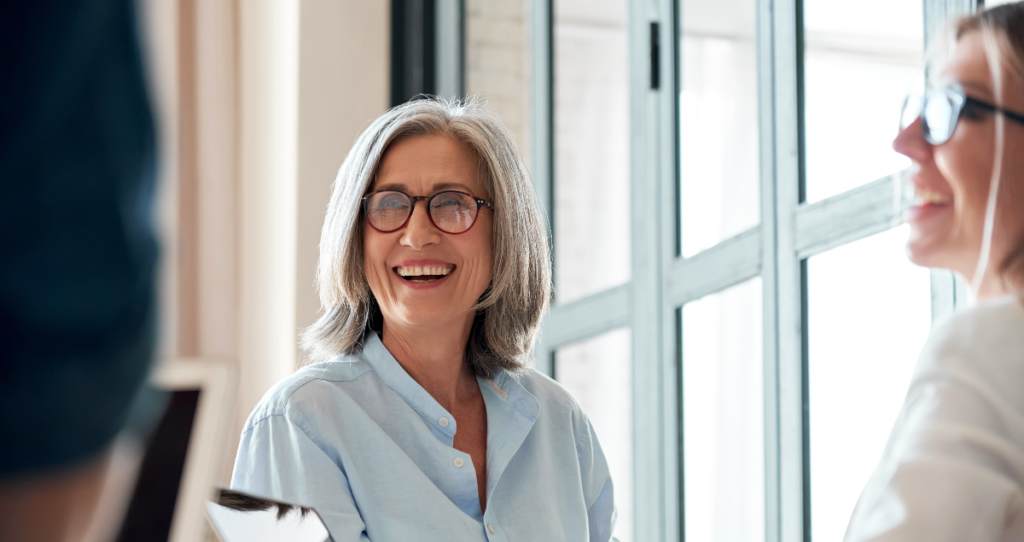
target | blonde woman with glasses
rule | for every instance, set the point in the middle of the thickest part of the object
(953, 469)
(420, 420)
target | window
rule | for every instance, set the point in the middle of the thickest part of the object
(723, 416)
(858, 67)
(596, 372)
(855, 387)
(591, 147)
(756, 204)
(718, 136)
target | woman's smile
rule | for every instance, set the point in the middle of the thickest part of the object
(424, 273)
(931, 201)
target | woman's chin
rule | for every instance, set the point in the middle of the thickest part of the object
(929, 252)
(917, 255)
(926, 246)
(420, 318)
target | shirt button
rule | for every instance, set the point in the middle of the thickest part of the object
(443, 422)
(459, 462)
(490, 528)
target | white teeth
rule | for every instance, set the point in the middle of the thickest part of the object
(420, 271)
(930, 196)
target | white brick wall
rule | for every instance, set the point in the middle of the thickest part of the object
(498, 61)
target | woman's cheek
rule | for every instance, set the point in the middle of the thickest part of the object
(373, 268)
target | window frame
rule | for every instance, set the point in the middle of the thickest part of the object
(662, 282)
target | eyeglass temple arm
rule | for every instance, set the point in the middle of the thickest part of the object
(1016, 117)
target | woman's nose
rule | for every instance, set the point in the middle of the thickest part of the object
(420, 231)
(910, 142)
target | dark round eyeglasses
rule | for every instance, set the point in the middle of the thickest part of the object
(450, 211)
(940, 109)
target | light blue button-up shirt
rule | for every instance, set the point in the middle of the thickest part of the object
(360, 441)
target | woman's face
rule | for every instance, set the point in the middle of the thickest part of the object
(424, 166)
(953, 177)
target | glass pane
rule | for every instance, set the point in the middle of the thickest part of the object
(718, 123)
(723, 417)
(597, 373)
(869, 313)
(591, 184)
(859, 66)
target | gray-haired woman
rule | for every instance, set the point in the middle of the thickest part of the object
(421, 420)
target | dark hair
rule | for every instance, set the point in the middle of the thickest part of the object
(247, 503)
(1007, 23)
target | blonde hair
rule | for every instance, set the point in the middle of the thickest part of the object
(508, 314)
(1002, 30)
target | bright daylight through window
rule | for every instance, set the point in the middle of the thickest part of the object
(729, 252)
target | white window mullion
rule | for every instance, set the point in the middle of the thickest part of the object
(783, 303)
(646, 166)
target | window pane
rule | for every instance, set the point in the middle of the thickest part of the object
(597, 373)
(859, 66)
(869, 313)
(591, 184)
(723, 416)
(718, 122)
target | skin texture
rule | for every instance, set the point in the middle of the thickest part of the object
(950, 235)
(427, 329)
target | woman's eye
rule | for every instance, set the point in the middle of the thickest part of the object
(973, 112)
(392, 202)
(450, 203)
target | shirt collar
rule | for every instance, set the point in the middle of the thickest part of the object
(392, 373)
(507, 387)
(511, 414)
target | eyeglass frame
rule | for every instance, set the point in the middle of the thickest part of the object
(963, 101)
(480, 203)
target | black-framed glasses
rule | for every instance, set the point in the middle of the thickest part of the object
(450, 211)
(940, 109)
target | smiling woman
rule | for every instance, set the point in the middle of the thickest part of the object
(419, 419)
(954, 465)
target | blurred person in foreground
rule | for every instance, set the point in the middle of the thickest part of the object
(422, 420)
(953, 469)
(77, 258)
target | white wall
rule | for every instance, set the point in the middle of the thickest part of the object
(313, 75)
(268, 193)
(260, 101)
(344, 83)
(498, 62)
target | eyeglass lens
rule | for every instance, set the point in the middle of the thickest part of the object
(451, 212)
(938, 111)
(939, 116)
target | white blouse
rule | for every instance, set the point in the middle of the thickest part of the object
(953, 468)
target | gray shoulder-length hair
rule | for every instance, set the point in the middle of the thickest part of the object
(508, 313)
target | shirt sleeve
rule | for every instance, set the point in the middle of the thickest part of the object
(278, 460)
(598, 488)
(952, 469)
